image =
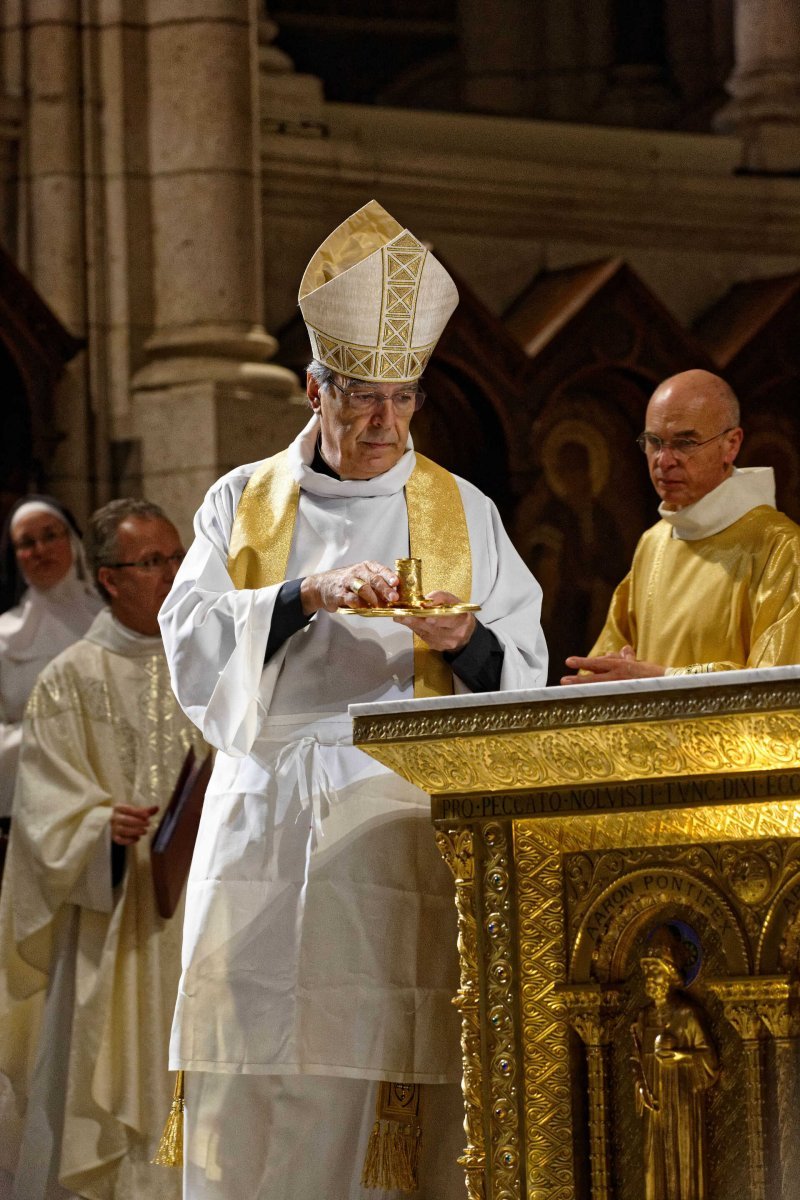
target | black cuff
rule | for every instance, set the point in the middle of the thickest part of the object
(119, 860)
(287, 617)
(480, 664)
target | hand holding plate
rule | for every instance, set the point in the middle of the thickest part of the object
(442, 633)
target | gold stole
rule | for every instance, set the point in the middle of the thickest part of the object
(261, 540)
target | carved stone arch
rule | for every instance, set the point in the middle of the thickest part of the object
(778, 949)
(614, 921)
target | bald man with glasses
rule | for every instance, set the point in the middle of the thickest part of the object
(715, 584)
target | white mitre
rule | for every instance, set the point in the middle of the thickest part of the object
(374, 300)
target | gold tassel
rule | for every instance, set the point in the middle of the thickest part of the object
(392, 1158)
(170, 1148)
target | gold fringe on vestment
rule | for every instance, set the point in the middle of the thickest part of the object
(170, 1148)
(392, 1158)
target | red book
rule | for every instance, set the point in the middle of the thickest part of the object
(173, 842)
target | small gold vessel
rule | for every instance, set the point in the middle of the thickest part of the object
(410, 572)
(412, 602)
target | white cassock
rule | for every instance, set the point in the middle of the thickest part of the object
(319, 936)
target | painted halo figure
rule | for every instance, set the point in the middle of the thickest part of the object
(319, 946)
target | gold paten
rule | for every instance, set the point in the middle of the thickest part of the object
(404, 610)
(412, 601)
(554, 914)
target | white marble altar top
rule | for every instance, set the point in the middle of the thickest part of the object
(578, 691)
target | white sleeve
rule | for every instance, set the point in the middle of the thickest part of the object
(215, 636)
(10, 738)
(509, 595)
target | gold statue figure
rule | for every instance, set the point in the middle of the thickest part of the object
(675, 1062)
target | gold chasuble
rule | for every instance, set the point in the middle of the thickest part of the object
(261, 540)
(716, 603)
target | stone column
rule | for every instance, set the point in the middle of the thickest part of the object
(498, 55)
(10, 126)
(765, 85)
(205, 398)
(53, 235)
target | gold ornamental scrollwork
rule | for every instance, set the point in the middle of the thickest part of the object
(501, 986)
(456, 848)
(545, 1032)
(558, 758)
(509, 718)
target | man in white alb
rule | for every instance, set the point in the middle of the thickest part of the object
(319, 946)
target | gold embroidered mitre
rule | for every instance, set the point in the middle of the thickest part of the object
(374, 300)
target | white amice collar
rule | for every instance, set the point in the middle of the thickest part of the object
(301, 455)
(742, 491)
(111, 634)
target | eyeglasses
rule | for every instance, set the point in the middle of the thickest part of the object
(649, 443)
(364, 400)
(154, 562)
(26, 544)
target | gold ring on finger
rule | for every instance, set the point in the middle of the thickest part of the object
(356, 585)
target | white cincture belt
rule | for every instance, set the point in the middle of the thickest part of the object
(298, 759)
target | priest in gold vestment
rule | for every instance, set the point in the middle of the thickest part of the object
(715, 584)
(319, 946)
(88, 968)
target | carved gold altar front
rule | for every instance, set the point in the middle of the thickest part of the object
(573, 828)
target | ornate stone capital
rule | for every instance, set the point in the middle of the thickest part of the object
(745, 1000)
(593, 1012)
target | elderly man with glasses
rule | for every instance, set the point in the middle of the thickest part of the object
(715, 584)
(88, 967)
(319, 948)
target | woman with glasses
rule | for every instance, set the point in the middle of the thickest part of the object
(49, 602)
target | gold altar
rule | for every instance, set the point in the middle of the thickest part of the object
(575, 826)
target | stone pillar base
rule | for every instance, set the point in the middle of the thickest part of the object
(764, 108)
(767, 145)
(195, 430)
